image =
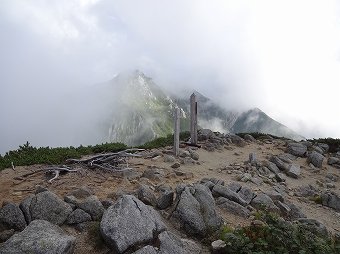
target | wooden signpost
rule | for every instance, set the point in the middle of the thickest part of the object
(176, 130)
(193, 119)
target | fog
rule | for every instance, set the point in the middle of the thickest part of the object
(280, 56)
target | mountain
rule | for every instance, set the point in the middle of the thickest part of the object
(139, 110)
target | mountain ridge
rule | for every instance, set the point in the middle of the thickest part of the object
(145, 111)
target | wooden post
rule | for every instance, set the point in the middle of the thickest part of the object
(193, 119)
(176, 130)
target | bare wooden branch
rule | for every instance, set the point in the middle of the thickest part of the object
(55, 177)
(12, 164)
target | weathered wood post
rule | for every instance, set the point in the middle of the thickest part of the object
(176, 130)
(193, 119)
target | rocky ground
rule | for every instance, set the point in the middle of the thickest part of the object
(164, 204)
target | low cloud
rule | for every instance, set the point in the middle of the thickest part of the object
(282, 57)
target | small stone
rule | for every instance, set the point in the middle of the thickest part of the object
(176, 165)
(218, 246)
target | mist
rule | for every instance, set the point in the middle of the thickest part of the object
(280, 56)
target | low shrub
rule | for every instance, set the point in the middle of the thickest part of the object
(276, 235)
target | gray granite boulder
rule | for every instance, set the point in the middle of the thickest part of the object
(84, 199)
(12, 217)
(331, 200)
(316, 159)
(263, 201)
(188, 212)
(78, 216)
(293, 171)
(224, 191)
(48, 206)
(39, 237)
(297, 149)
(207, 203)
(130, 222)
(232, 207)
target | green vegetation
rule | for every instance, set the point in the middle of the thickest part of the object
(28, 155)
(258, 135)
(334, 143)
(164, 141)
(276, 235)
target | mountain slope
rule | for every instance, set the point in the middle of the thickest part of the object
(139, 111)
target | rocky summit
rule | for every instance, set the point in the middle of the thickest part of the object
(203, 201)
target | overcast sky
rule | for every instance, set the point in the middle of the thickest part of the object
(280, 56)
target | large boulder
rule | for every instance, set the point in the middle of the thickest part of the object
(39, 237)
(25, 208)
(12, 217)
(263, 201)
(188, 212)
(331, 200)
(130, 222)
(48, 206)
(279, 163)
(297, 149)
(232, 207)
(78, 216)
(293, 171)
(169, 243)
(207, 203)
(316, 159)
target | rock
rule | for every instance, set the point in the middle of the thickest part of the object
(252, 159)
(48, 206)
(256, 180)
(272, 167)
(12, 217)
(78, 216)
(237, 140)
(287, 158)
(170, 243)
(280, 177)
(249, 137)
(306, 191)
(84, 199)
(218, 246)
(279, 163)
(6, 234)
(40, 188)
(285, 209)
(245, 177)
(129, 222)
(25, 208)
(188, 212)
(169, 158)
(324, 147)
(154, 174)
(246, 194)
(146, 195)
(234, 186)
(176, 165)
(274, 195)
(40, 237)
(297, 149)
(232, 207)
(293, 171)
(316, 159)
(314, 226)
(318, 149)
(331, 200)
(165, 199)
(147, 250)
(295, 212)
(204, 134)
(207, 203)
(183, 153)
(194, 155)
(213, 180)
(223, 191)
(333, 160)
(107, 203)
(263, 201)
